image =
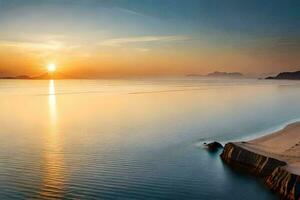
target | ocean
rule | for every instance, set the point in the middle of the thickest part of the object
(134, 138)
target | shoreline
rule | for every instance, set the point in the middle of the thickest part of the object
(273, 157)
(268, 131)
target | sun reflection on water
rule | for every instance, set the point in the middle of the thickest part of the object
(54, 176)
(52, 103)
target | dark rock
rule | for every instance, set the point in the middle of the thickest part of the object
(213, 146)
(286, 184)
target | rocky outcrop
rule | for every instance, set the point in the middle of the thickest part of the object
(287, 75)
(283, 182)
(243, 159)
(213, 146)
(272, 171)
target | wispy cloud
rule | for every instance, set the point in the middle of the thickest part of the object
(142, 49)
(131, 12)
(33, 45)
(121, 41)
(50, 45)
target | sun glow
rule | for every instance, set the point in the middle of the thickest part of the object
(51, 67)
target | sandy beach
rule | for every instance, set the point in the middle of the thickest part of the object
(283, 145)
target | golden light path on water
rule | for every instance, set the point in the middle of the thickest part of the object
(52, 103)
(53, 177)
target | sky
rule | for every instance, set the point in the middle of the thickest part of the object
(118, 38)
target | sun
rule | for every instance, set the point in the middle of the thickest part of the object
(51, 67)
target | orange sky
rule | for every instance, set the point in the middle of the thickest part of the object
(77, 62)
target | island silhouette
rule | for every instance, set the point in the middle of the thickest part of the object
(220, 74)
(286, 75)
(46, 76)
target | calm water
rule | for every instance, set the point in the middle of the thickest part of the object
(133, 139)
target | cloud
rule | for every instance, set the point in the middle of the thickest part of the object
(50, 45)
(131, 12)
(121, 41)
(142, 49)
(32, 45)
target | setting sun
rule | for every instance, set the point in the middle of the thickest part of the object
(150, 99)
(51, 67)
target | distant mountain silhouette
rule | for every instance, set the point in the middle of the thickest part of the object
(194, 75)
(219, 74)
(225, 74)
(16, 77)
(45, 76)
(287, 76)
(56, 75)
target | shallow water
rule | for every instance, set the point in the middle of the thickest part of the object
(134, 139)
